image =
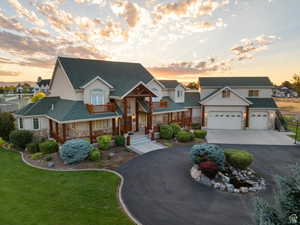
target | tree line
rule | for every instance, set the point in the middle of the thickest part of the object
(294, 83)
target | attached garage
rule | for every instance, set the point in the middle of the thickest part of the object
(259, 120)
(224, 120)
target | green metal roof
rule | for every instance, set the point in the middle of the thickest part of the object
(191, 99)
(122, 76)
(62, 110)
(235, 81)
(169, 83)
(262, 103)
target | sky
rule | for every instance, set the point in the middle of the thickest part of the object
(173, 39)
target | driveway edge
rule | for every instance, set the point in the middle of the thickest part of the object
(121, 201)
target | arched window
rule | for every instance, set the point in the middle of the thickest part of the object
(97, 97)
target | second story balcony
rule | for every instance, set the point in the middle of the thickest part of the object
(101, 108)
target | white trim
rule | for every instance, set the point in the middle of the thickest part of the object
(83, 120)
(141, 82)
(94, 79)
(212, 96)
(157, 81)
(179, 110)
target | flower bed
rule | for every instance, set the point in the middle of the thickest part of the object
(212, 168)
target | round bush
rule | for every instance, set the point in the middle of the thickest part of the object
(239, 159)
(208, 152)
(37, 156)
(104, 141)
(200, 133)
(176, 128)
(33, 147)
(120, 140)
(21, 138)
(48, 147)
(166, 132)
(209, 169)
(75, 150)
(7, 125)
(95, 155)
(184, 136)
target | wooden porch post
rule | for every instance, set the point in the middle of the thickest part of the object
(247, 117)
(191, 117)
(125, 115)
(150, 112)
(114, 126)
(203, 115)
(50, 128)
(91, 131)
(64, 133)
(57, 131)
(168, 118)
(182, 119)
(136, 115)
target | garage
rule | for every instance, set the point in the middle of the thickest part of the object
(224, 120)
(259, 120)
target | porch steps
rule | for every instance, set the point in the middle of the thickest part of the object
(141, 144)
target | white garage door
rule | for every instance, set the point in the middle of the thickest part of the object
(258, 120)
(224, 120)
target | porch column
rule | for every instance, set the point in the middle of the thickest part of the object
(203, 116)
(50, 128)
(91, 131)
(247, 117)
(191, 117)
(125, 115)
(114, 126)
(182, 119)
(168, 118)
(150, 113)
(136, 115)
(64, 133)
(57, 131)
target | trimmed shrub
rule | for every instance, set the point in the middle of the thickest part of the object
(49, 147)
(239, 159)
(196, 126)
(184, 136)
(95, 155)
(120, 140)
(48, 158)
(37, 155)
(75, 150)
(33, 147)
(200, 133)
(7, 125)
(208, 152)
(104, 141)
(21, 138)
(176, 128)
(209, 169)
(166, 132)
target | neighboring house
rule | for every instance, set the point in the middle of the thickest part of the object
(89, 98)
(237, 103)
(42, 86)
(284, 92)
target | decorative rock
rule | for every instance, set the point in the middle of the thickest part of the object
(205, 180)
(222, 187)
(230, 187)
(236, 190)
(51, 164)
(217, 185)
(111, 154)
(243, 189)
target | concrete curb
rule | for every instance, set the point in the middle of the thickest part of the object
(121, 201)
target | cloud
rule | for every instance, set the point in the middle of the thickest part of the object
(128, 10)
(7, 73)
(23, 12)
(100, 3)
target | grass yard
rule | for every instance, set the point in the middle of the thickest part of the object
(31, 196)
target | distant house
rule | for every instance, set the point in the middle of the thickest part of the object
(42, 86)
(284, 92)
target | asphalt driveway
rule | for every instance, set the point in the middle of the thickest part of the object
(250, 137)
(158, 189)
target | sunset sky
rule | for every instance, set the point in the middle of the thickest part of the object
(174, 39)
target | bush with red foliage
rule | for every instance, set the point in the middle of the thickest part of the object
(209, 169)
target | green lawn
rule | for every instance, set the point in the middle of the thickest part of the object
(30, 196)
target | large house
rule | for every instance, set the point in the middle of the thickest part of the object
(89, 98)
(237, 103)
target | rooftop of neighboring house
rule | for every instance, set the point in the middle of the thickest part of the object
(44, 82)
(169, 83)
(120, 76)
(235, 82)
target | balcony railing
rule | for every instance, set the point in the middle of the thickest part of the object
(101, 108)
(160, 104)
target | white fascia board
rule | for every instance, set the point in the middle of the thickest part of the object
(97, 78)
(141, 82)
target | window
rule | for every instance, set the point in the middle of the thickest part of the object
(253, 93)
(36, 124)
(226, 93)
(21, 126)
(102, 124)
(179, 93)
(97, 97)
(155, 91)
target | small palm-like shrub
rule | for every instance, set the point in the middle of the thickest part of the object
(239, 159)
(208, 152)
(75, 150)
(37, 156)
(200, 133)
(209, 169)
(33, 147)
(21, 138)
(166, 132)
(120, 140)
(184, 136)
(176, 128)
(48, 147)
(104, 141)
(95, 155)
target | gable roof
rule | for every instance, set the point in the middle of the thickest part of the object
(121, 75)
(235, 81)
(169, 83)
(191, 99)
(44, 82)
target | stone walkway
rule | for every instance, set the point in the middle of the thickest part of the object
(141, 144)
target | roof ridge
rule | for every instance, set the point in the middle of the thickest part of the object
(101, 60)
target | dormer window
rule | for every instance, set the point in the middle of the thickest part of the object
(253, 93)
(226, 93)
(97, 97)
(179, 93)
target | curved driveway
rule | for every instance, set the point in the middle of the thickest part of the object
(158, 189)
